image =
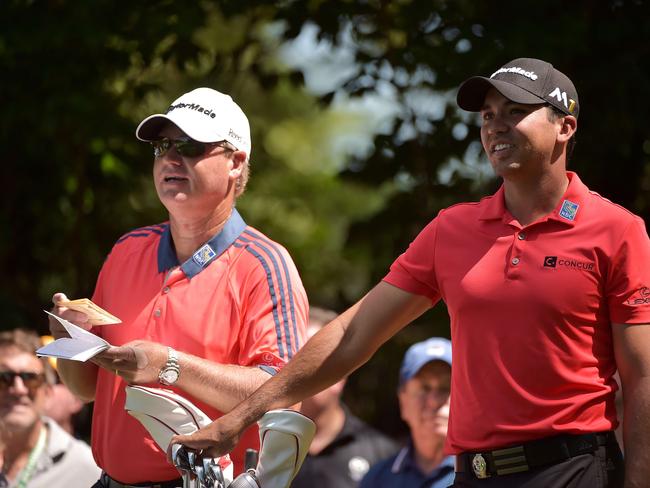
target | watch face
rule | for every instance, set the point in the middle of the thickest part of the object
(170, 376)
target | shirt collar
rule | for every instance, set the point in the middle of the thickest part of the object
(567, 211)
(203, 256)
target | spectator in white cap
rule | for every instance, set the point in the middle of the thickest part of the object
(423, 393)
(221, 305)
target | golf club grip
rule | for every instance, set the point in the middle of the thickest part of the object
(250, 460)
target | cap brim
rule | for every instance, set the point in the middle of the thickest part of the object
(149, 129)
(471, 94)
(443, 358)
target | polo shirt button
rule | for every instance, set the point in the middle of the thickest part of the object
(157, 312)
(521, 236)
(166, 289)
(515, 261)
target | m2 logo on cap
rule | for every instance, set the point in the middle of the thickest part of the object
(561, 97)
(204, 255)
(569, 210)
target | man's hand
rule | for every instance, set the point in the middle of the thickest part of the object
(216, 439)
(138, 362)
(77, 318)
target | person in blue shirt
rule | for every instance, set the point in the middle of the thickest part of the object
(423, 393)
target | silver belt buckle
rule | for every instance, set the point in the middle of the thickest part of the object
(479, 466)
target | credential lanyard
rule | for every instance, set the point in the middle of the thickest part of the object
(28, 471)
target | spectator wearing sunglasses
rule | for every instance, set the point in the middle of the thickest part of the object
(210, 307)
(34, 450)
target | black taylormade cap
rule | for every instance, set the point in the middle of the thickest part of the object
(523, 80)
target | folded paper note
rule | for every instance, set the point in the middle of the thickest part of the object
(80, 346)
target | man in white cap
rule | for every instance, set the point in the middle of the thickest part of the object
(548, 290)
(210, 307)
(423, 393)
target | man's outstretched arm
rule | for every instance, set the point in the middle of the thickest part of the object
(334, 352)
(632, 349)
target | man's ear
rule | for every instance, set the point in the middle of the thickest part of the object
(568, 127)
(238, 159)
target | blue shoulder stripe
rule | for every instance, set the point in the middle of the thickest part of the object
(257, 240)
(158, 228)
(274, 298)
(292, 308)
(144, 232)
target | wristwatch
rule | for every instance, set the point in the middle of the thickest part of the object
(170, 373)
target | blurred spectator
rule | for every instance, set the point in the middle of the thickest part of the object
(61, 405)
(423, 393)
(34, 450)
(344, 447)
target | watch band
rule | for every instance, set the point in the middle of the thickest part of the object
(171, 371)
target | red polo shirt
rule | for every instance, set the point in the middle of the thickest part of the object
(531, 310)
(237, 300)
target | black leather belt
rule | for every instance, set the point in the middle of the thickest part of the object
(109, 482)
(524, 457)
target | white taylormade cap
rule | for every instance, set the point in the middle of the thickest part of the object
(205, 115)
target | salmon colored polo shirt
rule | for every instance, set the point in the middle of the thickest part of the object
(237, 300)
(531, 310)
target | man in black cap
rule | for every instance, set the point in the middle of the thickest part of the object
(548, 290)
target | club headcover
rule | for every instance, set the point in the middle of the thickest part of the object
(164, 414)
(285, 436)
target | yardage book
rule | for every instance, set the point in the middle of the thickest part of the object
(80, 346)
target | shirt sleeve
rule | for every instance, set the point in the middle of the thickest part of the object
(628, 283)
(414, 270)
(275, 311)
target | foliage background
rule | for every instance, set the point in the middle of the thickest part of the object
(344, 188)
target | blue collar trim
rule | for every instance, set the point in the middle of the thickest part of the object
(203, 256)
